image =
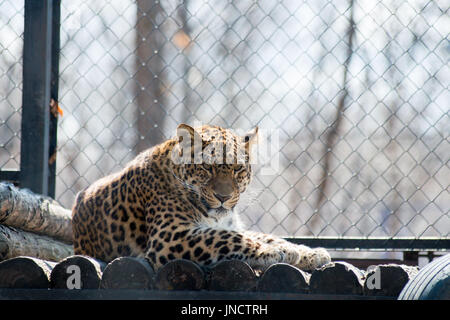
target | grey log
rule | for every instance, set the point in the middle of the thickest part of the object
(25, 273)
(232, 275)
(35, 213)
(15, 242)
(337, 278)
(77, 272)
(283, 277)
(180, 274)
(128, 273)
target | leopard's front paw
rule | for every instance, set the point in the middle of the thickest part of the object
(320, 257)
(280, 254)
(312, 259)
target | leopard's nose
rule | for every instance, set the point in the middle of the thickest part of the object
(223, 189)
(222, 198)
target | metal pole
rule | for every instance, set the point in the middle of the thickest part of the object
(37, 64)
(53, 148)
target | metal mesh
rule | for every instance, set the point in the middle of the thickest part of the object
(11, 47)
(356, 91)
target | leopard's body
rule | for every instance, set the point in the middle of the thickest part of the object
(161, 208)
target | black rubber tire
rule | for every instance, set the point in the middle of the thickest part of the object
(431, 283)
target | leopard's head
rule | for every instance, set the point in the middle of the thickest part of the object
(214, 162)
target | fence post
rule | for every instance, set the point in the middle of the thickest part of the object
(37, 76)
(54, 86)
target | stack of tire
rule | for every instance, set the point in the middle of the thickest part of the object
(431, 283)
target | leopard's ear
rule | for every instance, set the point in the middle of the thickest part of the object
(184, 131)
(183, 128)
(251, 137)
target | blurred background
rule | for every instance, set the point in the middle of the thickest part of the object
(356, 90)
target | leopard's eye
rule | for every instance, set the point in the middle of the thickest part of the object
(238, 168)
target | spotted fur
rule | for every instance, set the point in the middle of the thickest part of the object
(163, 209)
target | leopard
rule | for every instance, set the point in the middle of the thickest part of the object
(177, 200)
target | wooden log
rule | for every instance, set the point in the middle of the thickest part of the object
(77, 272)
(337, 278)
(128, 273)
(232, 275)
(388, 280)
(180, 274)
(15, 242)
(25, 273)
(35, 213)
(283, 277)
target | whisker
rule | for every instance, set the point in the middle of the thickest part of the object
(249, 197)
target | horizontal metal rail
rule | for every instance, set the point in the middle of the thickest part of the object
(375, 244)
(10, 175)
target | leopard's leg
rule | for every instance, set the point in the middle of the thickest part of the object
(310, 258)
(207, 246)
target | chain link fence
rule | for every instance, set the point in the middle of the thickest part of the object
(11, 46)
(356, 91)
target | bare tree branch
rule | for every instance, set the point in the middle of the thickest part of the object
(333, 132)
(183, 41)
(150, 117)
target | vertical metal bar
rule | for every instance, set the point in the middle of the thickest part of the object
(54, 95)
(37, 62)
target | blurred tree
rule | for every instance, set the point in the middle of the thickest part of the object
(333, 132)
(182, 40)
(392, 126)
(149, 66)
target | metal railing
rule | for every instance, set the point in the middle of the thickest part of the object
(38, 123)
